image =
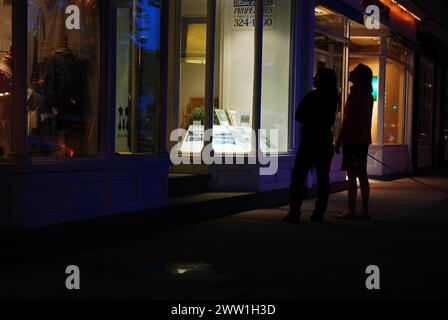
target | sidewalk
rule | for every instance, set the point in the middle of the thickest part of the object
(254, 255)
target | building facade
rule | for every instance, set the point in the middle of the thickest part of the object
(92, 93)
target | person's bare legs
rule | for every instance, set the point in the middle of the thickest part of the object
(352, 191)
(365, 194)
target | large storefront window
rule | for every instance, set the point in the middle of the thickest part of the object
(365, 50)
(330, 43)
(394, 103)
(390, 64)
(63, 78)
(138, 63)
(329, 53)
(330, 21)
(234, 77)
(276, 74)
(395, 97)
(233, 92)
(5, 77)
(193, 62)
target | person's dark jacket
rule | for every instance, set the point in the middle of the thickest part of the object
(317, 115)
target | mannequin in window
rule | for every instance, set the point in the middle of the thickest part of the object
(66, 85)
(67, 79)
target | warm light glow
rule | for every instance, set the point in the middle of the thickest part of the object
(322, 11)
(319, 11)
(406, 10)
(196, 43)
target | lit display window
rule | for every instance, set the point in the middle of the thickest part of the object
(63, 78)
(6, 59)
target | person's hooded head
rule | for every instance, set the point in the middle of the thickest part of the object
(325, 81)
(362, 77)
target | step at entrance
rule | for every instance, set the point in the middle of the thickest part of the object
(181, 185)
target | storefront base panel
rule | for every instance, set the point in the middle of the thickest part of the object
(395, 160)
(424, 154)
(38, 197)
(247, 178)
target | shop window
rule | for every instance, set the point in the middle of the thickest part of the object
(234, 76)
(365, 49)
(63, 78)
(329, 53)
(331, 21)
(396, 51)
(426, 100)
(363, 41)
(6, 59)
(275, 109)
(138, 69)
(193, 62)
(395, 96)
(394, 103)
(374, 64)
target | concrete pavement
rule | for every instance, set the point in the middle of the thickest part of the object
(254, 255)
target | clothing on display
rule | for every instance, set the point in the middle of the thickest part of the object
(40, 113)
(5, 103)
(47, 30)
(61, 75)
(66, 80)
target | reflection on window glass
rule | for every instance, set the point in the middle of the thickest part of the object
(5, 77)
(138, 63)
(276, 71)
(63, 78)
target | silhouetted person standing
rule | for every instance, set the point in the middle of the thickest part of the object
(355, 137)
(316, 114)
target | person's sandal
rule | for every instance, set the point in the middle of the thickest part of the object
(346, 216)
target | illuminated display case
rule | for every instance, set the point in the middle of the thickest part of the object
(229, 136)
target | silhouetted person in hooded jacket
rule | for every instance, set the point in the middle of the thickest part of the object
(316, 115)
